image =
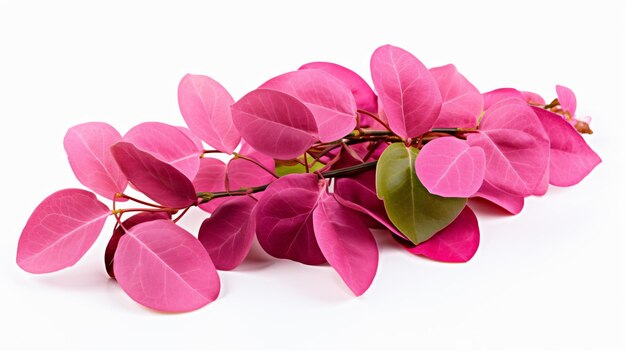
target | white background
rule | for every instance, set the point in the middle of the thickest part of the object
(551, 278)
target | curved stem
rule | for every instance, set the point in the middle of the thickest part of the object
(128, 197)
(375, 118)
(243, 157)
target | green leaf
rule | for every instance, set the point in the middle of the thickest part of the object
(417, 213)
(286, 167)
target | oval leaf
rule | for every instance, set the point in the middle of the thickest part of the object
(228, 234)
(346, 243)
(511, 203)
(156, 179)
(60, 230)
(457, 242)
(275, 123)
(516, 147)
(330, 101)
(417, 213)
(408, 91)
(363, 94)
(88, 151)
(168, 144)
(210, 178)
(205, 106)
(450, 167)
(491, 97)
(571, 159)
(284, 223)
(132, 221)
(162, 266)
(462, 102)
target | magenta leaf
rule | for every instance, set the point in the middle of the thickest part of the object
(60, 231)
(346, 243)
(511, 203)
(462, 102)
(88, 151)
(330, 101)
(450, 167)
(119, 231)
(243, 173)
(457, 242)
(496, 95)
(168, 144)
(205, 106)
(210, 178)
(284, 223)
(264, 112)
(162, 266)
(197, 141)
(228, 234)
(571, 159)
(515, 145)
(363, 94)
(407, 89)
(156, 179)
(533, 98)
(567, 99)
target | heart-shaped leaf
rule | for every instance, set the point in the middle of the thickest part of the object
(156, 179)
(407, 89)
(330, 101)
(88, 151)
(284, 223)
(205, 106)
(450, 167)
(132, 221)
(417, 213)
(228, 234)
(168, 144)
(275, 123)
(511, 203)
(363, 94)
(462, 102)
(60, 230)
(571, 159)
(516, 147)
(346, 243)
(162, 266)
(457, 242)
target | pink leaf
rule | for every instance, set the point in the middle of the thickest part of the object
(192, 137)
(162, 266)
(156, 179)
(533, 98)
(567, 99)
(168, 144)
(408, 91)
(330, 101)
(262, 113)
(450, 167)
(210, 178)
(457, 242)
(60, 230)
(245, 174)
(515, 145)
(511, 203)
(284, 224)
(119, 231)
(346, 243)
(494, 96)
(228, 234)
(571, 159)
(88, 151)
(363, 95)
(462, 102)
(205, 106)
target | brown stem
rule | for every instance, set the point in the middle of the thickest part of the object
(374, 117)
(243, 157)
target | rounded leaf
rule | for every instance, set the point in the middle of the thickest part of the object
(60, 231)
(450, 167)
(156, 179)
(205, 106)
(417, 213)
(462, 102)
(167, 143)
(88, 151)
(511, 203)
(210, 178)
(228, 234)
(407, 89)
(275, 123)
(162, 266)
